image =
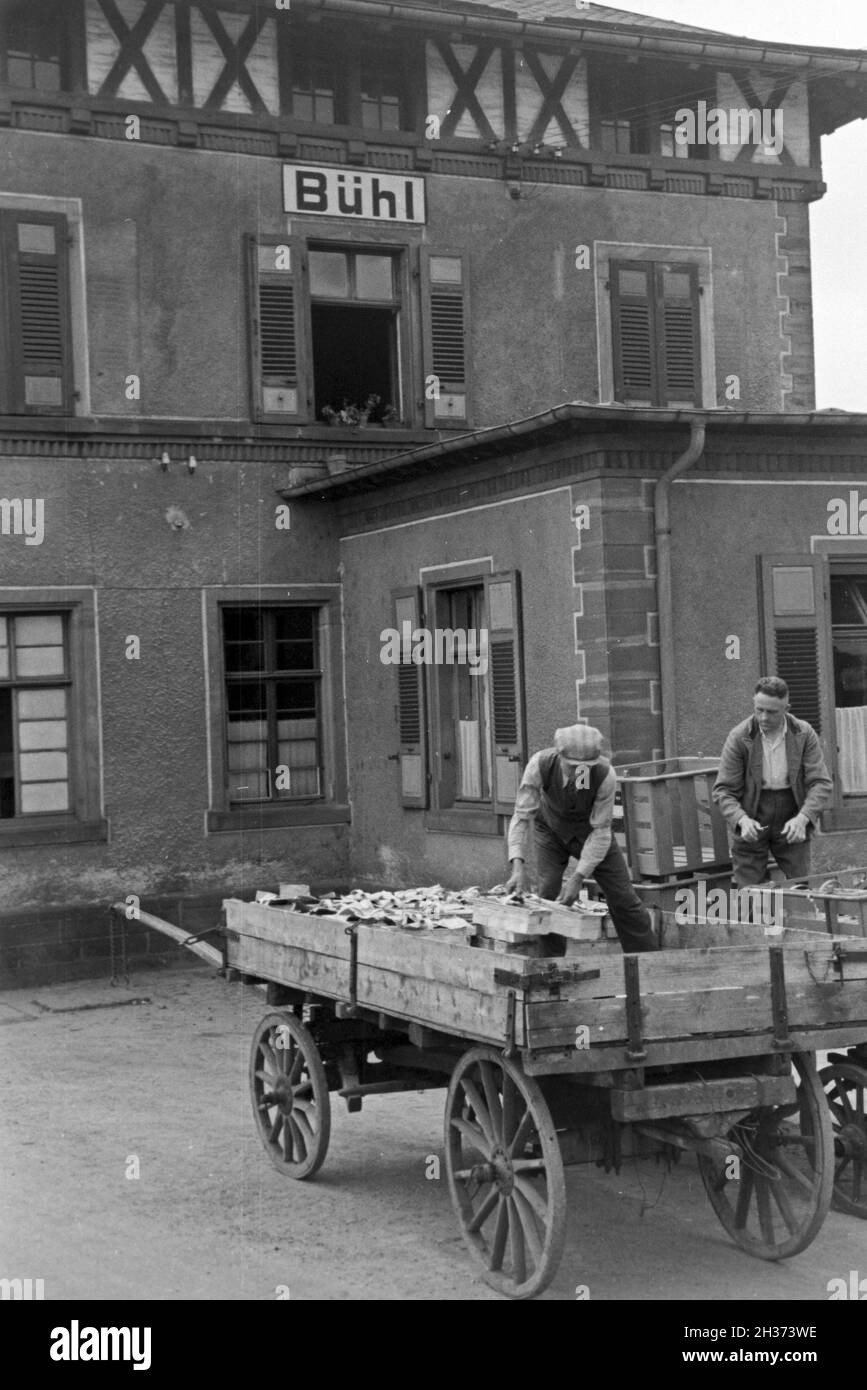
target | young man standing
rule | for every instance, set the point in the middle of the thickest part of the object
(771, 787)
(568, 793)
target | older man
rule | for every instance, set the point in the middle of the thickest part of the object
(771, 787)
(568, 793)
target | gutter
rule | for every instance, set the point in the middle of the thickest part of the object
(710, 45)
(662, 527)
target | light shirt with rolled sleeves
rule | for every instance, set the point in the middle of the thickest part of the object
(775, 768)
(598, 842)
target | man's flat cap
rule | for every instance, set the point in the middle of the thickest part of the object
(579, 743)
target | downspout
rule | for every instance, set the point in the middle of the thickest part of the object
(662, 525)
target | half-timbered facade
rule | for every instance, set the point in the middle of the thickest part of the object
(253, 258)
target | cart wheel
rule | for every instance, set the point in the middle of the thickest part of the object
(290, 1095)
(845, 1086)
(505, 1172)
(775, 1203)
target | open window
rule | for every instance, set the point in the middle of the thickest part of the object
(355, 326)
(849, 653)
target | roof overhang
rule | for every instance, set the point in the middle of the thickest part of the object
(569, 419)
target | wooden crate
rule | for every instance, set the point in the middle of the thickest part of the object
(672, 824)
(831, 911)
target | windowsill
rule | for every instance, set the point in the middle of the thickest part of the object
(369, 433)
(274, 817)
(461, 820)
(51, 831)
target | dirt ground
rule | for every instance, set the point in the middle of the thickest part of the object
(93, 1081)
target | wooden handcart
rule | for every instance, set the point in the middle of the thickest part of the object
(707, 1046)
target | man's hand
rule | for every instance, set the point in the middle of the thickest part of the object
(795, 830)
(570, 890)
(750, 829)
(519, 881)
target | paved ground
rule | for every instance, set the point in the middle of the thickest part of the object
(92, 1081)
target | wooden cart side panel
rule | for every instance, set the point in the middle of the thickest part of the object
(448, 1008)
(568, 1060)
(433, 955)
(715, 967)
(730, 1009)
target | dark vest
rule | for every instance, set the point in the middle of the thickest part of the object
(566, 810)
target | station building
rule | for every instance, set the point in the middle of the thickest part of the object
(323, 319)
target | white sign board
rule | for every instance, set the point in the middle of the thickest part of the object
(324, 191)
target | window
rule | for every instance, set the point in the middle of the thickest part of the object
(464, 703)
(460, 714)
(315, 87)
(354, 316)
(273, 703)
(633, 106)
(383, 103)
(333, 341)
(339, 77)
(34, 715)
(35, 326)
(849, 646)
(50, 765)
(655, 323)
(32, 47)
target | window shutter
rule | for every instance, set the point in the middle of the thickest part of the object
(412, 754)
(445, 321)
(508, 741)
(279, 359)
(36, 281)
(681, 349)
(796, 634)
(634, 366)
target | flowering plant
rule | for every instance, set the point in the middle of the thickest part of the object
(354, 415)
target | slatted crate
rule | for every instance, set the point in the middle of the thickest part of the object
(834, 910)
(672, 823)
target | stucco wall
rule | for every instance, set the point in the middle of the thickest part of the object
(105, 526)
(166, 291)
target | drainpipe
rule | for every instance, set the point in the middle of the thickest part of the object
(662, 525)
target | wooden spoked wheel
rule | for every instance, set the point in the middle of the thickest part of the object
(773, 1193)
(505, 1173)
(290, 1095)
(845, 1086)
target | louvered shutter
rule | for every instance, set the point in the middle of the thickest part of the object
(796, 635)
(678, 311)
(36, 294)
(635, 375)
(280, 373)
(505, 679)
(412, 755)
(445, 319)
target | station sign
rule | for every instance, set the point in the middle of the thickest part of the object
(353, 194)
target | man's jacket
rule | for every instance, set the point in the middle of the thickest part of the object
(739, 784)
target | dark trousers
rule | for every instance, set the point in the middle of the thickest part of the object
(750, 861)
(631, 920)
